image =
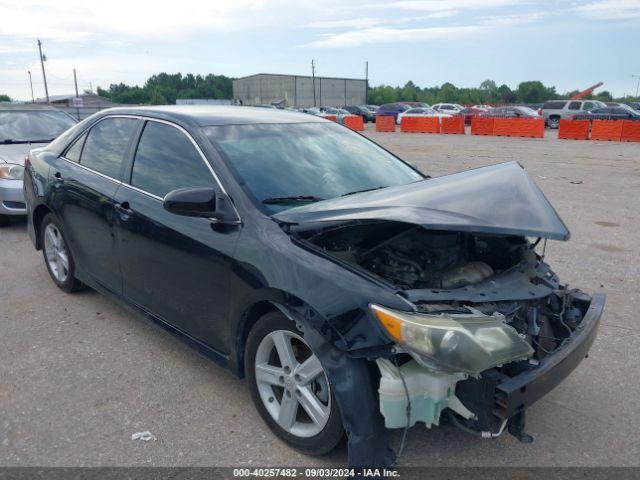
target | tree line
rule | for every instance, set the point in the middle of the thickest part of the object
(165, 88)
(487, 93)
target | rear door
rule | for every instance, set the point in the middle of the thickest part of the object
(83, 186)
(174, 267)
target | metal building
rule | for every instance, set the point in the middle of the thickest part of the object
(297, 90)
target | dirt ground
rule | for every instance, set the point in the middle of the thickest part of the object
(79, 375)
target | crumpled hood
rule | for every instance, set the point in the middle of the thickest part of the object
(500, 199)
(15, 153)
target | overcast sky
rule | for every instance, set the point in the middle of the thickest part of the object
(570, 44)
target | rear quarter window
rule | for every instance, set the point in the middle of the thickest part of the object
(554, 105)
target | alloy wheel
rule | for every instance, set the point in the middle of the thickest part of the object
(292, 384)
(56, 252)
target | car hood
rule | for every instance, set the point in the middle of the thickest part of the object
(500, 199)
(15, 152)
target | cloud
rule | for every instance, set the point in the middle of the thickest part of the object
(439, 5)
(76, 19)
(391, 35)
(610, 10)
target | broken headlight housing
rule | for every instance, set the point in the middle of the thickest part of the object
(458, 342)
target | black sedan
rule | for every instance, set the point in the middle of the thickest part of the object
(366, 114)
(609, 113)
(345, 285)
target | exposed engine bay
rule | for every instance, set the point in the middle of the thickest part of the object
(457, 273)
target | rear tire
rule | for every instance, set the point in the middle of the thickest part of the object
(57, 255)
(284, 393)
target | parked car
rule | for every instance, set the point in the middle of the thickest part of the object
(554, 110)
(635, 105)
(266, 105)
(483, 107)
(23, 127)
(512, 111)
(420, 112)
(470, 112)
(417, 104)
(392, 109)
(373, 108)
(330, 273)
(609, 113)
(448, 107)
(366, 114)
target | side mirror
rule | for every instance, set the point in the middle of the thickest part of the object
(201, 202)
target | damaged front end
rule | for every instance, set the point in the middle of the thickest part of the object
(489, 329)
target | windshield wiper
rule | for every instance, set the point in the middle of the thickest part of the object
(364, 190)
(293, 198)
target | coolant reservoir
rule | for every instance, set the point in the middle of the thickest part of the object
(429, 393)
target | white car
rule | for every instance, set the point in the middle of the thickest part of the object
(483, 107)
(23, 127)
(448, 107)
(421, 112)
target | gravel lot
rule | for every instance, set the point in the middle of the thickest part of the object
(79, 375)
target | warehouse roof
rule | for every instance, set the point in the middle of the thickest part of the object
(303, 76)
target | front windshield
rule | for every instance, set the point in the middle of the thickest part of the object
(312, 160)
(32, 126)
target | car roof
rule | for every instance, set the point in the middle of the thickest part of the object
(26, 107)
(215, 115)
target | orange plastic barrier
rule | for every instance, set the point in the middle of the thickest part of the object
(527, 127)
(502, 127)
(482, 126)
(333, 118)
(630, 131)
(354, 122)
(606, 130)
(574, 129)
(452, 125)
(420, 125)
(385, 123)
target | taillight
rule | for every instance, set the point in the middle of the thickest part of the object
(574, 117)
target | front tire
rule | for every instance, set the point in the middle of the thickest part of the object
(290, 388)
(553, 122)
(57, 256)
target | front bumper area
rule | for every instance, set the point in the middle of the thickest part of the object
(12, 198)
(515, 394)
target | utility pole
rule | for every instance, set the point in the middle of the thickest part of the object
(366, 82)
(638, 85)
(313, 80)
(75, 82)
(44, 75)
(31, 85)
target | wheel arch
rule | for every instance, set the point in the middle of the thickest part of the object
(38, 215)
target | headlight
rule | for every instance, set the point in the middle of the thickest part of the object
(11, 171)
(468, 343)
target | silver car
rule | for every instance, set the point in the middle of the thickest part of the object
(555, 110)
(23, 127)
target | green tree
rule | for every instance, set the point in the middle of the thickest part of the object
(4, 98)
(505, 95)
(157, 98)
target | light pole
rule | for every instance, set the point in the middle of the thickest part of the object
(638, 85)
(44, 75)
(31, 85)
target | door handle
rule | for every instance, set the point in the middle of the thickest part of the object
(58, 177)
(123, 208)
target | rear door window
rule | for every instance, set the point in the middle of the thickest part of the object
(588, 105)
(166, 160)
(106, 145)
(575, 105)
